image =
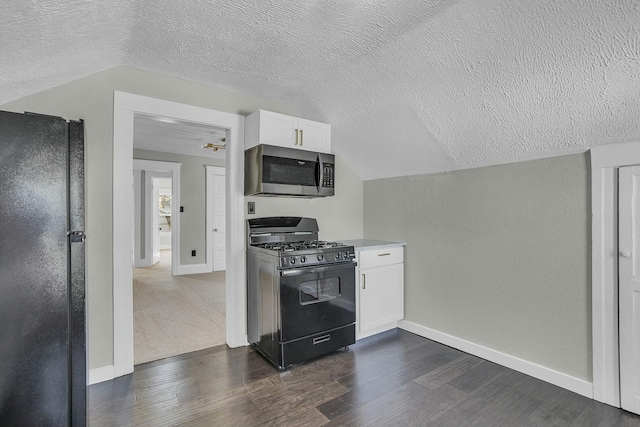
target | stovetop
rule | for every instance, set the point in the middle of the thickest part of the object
(306, 253)
(298, 246)
(293, 242)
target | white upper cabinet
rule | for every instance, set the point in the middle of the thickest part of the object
(267, 127)
(314, 136)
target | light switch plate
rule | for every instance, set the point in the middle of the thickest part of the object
(252, 208)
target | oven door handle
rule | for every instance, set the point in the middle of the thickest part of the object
(319, 269)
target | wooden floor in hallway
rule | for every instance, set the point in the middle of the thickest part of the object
(391, 379)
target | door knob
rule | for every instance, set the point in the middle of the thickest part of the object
(215, 229)
(625, 254)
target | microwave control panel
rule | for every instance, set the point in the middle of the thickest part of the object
(327, 175)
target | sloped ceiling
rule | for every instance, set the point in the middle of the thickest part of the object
(409, 87)
(174, 136)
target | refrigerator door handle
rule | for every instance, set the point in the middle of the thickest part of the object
(76, 236)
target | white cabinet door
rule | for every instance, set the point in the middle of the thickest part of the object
(381, 296)
(277, 129)
(219, 215)
(314, 136)
(629, 287)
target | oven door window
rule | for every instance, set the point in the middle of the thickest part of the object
(319, 290)
(278, 170)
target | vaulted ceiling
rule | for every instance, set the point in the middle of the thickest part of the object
(409, 87)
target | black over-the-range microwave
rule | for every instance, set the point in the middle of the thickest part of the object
(290, 172)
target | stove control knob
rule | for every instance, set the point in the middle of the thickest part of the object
(292, 260)
(345, 254)
(320, 257)
(337, 255)
(303, 258)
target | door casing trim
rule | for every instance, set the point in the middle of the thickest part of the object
(605, 161)
(174, 170)
(126, 105)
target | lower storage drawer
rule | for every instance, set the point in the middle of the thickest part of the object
(369, 258)
(316, 345)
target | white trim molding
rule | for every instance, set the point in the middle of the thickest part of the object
(605, 161)
(192, 269)
(126, 107)
(565, 381)
(99, 375)
(615, 155)
(139, 258)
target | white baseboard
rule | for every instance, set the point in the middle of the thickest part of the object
(242, 342)
(565, 381)
(99, 375)
(373, 331)
(142, 263)
(193, 269)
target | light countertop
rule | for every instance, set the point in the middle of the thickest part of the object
(361, 244)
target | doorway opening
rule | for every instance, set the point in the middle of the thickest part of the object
(125, 107)
(178, 299)
(162, 240)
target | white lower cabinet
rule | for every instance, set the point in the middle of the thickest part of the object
(380, 282)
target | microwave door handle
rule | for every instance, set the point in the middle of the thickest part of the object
(319, 174)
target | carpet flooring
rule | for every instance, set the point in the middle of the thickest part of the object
(173, 315)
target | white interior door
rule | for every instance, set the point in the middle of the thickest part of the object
(219, 246)
(629, 287)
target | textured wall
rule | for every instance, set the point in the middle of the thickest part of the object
(91, 98)
(498, 256)
(193, 178)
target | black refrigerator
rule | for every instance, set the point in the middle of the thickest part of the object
(43, 368)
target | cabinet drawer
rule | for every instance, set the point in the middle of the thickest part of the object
(381, 257)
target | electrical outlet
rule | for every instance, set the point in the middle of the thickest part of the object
(193, 252)
(252, 208)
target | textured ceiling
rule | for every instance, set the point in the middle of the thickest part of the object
(174, 136)
(419, 86)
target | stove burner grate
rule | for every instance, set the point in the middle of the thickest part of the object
(299, 246)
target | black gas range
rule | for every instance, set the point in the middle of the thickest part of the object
(301, 290)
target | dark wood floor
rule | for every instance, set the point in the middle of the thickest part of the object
(392, 379)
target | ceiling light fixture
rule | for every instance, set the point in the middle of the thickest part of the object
(161, 119)
(216, 147)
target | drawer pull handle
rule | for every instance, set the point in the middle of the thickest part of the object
(385, 254)
(321, 339)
